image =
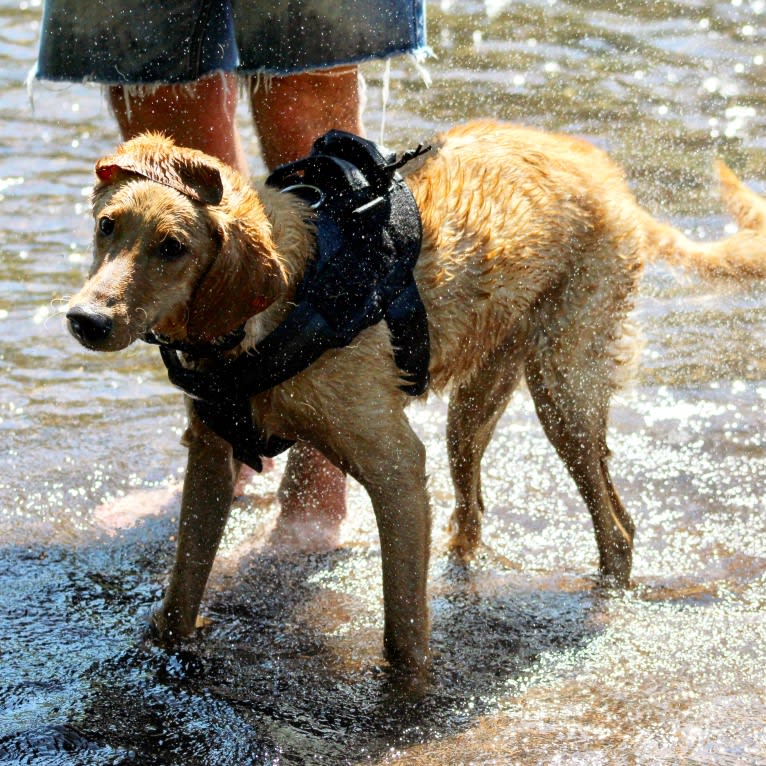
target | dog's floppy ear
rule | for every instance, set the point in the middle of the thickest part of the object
(244, 279)
(157, 159)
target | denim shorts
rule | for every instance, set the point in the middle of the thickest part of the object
(146, 41)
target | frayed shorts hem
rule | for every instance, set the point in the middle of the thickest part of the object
(417, 55)
(181, 41)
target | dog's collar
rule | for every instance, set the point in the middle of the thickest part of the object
(214, 348)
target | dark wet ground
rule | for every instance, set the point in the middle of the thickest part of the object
(533, 664)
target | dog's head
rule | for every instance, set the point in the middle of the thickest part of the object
(182, 249)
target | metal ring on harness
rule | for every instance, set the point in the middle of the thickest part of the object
(298, 187)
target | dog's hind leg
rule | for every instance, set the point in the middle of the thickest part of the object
(572, 403)
(207, 495)
(474, 409)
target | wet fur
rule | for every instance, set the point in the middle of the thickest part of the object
(532, 253)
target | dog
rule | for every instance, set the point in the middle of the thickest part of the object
(532, 252)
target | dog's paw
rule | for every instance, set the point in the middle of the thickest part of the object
(408, 686)
(167, 633)
(465, 534)
(612, 584)
(463, 547)
(408, 680)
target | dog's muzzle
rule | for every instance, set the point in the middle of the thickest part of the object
(89, 327)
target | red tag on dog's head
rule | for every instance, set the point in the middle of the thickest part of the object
(107, 172)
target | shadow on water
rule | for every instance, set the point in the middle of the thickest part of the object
(267, 682)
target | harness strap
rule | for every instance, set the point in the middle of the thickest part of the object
(368, 240)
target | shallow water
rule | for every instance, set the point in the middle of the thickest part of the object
(533, 664)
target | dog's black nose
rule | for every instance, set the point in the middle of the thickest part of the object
(88, 326)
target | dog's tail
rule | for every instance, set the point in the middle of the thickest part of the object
(741, 256)
(746, 207)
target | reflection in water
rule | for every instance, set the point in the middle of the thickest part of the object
(533, 665)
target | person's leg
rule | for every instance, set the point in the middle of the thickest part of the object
(290, 113)
(200, 115)
(312, 499)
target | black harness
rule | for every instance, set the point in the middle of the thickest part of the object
(368, 241)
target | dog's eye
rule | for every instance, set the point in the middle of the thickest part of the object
(171, 248)
(106, 225)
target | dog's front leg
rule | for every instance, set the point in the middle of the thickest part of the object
(207, 495)
(395, 479)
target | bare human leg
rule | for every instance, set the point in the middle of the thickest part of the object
(290, 113)
(200, 115)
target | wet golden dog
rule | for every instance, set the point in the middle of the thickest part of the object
(532, 253)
